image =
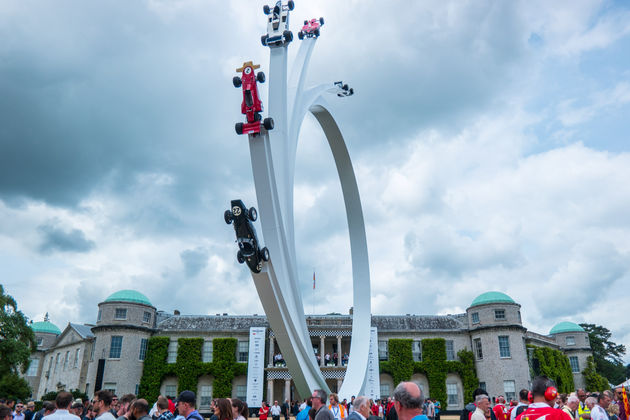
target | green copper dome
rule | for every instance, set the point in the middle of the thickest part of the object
(45, 327)
(566, 326)
(491, 297)
(128, 296)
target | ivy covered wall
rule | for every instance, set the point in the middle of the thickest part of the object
(554, 365)
(434, 366)
(189, 367)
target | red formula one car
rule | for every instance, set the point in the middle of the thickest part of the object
(311, 28)
(251, 106)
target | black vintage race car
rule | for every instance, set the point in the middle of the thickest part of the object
(248, 246)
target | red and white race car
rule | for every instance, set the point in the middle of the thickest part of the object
(311, 28)
(252, 105)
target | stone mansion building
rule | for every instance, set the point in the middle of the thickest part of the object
(110, 353)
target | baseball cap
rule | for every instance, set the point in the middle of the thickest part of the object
(187, 397)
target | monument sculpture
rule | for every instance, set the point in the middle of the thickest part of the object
(273, 145)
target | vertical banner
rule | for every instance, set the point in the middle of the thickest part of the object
(372, 379)
(256, 366)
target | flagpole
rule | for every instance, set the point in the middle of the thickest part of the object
(313, 300)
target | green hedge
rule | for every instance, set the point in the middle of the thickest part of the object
(594, 381)
(555, 365)
(189, 367)
(434, 365)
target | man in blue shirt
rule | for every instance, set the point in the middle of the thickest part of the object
(303, 414)
(408, 401)
(186, 405)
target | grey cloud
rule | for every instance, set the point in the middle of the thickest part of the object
(56, 239)
(194, 261)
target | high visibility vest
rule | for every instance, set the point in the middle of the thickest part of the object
(342, 410)
(583, 410)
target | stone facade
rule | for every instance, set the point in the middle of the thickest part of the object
(111, 353)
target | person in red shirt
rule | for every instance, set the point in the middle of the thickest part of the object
(544, 395)
(263, 412)
(499, 409)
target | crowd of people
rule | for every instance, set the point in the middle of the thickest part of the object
(542, 402)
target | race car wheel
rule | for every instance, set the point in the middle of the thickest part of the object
(257, 116)
(237, 81)
(288, 36)
(316, 32)
(264, 254)
(321, 20)
(345, 87)
(228, 217)
(266, 9)
(263, 40)
(306, 22)
(252, 214)
(268, 123)
(351, 91)
(291, 4)
(260, 77)
(276, 9)
(301, 35)
(239, 128)
(239, 257)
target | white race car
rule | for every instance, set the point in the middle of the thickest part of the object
(278, 32)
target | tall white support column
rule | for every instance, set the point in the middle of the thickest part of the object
(339, 382)
(339, 350)
(287, 390)
(270, 391)
(321, 350)
(272, 350)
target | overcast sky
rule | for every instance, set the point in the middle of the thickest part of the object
(490, 139)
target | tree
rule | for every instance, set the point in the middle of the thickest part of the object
(607, 355)
(17, 340)
(594, 381)
(14, 387)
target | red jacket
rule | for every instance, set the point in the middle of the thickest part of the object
(542, 411)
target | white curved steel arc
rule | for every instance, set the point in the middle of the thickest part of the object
(282, 306)
(354, 379)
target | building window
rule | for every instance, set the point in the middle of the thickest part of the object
(146, 317)
(49, 367)
(504, 346)
(98, 317)
(170, 391)
(510, 390)
(143, 349)
(241, 392)
(499, 314)
(451, 391)
(65, 360)
(586, 340)
(115, 347)
(482, 385)
(243, 351)
(57, 361)
(172, 352)
(450, 350)
(478, 351)
(416, 350)
(384, 390)
(570, 340)
(575, 364)
(137, 389)
(475, 317)
(206, 396)
(32, 368)
(92, 350)
(206, 352)
(110, 386)
(39, 341)
(121, 313)
(76, 357)
(383, 352)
